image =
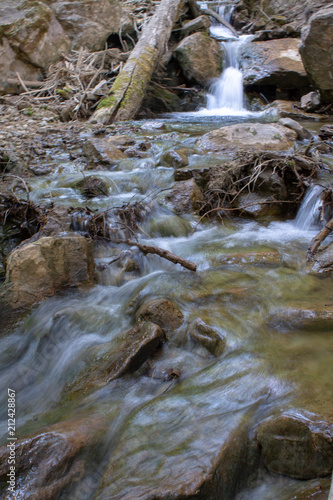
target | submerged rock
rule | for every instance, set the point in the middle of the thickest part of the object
(297, 444)
(248, 136)
(315, 50)
(168, 225)
(124, 356)
(163, 312)
(92, 186)
(51, 460)
(207, 336)
(185, 196)
(40, 269)
(200, 58)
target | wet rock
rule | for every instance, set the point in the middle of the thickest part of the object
(191, 443)
(200, 58)
(92, 186)
(317, 38)
(40, 269)
(208, 337)
(323, 262)
(124, 356)
(306, 318)
(47, 462)
(301, 132)
(310, 102)
(268, 258)
(297, 444)
(274, 63)
(200, 23)
(289, 110)
(174, 158)
(248, 136)
(185, 197)
(326, 132)
(168, 225)
(163, 312)
(103, 150)
(257, 206)
(197, 172)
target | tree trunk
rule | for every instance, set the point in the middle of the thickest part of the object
(327, 229)
(129, 88)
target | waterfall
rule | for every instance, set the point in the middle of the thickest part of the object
(226, 96)
(308, 216)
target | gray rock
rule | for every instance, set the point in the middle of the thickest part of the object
(317, 38)
(275, 63)
(248, 136)
(324, 260)
(200, 23)
(301, 132)
(310, 102)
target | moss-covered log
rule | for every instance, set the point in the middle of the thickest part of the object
(129, 88)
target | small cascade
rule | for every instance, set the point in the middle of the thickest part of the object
(226, 95)
(308, 216)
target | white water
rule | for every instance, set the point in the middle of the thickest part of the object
(226, 96)
(308, 216)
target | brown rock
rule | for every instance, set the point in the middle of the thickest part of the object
(174, 158)
(297, 444)
(185, 196)
(38, 270)
(103, 150)
(200, 58)
(124, 357)
(208, 337)
(163, 312)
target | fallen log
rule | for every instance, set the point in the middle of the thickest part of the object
(129, 88)
(317, 240)
(165, 254)
(210, 12)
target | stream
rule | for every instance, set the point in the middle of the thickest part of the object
(252, 285)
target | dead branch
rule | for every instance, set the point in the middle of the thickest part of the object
(315, 243)
(165, 254)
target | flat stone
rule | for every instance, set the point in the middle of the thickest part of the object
(200, 23)
(248, 136)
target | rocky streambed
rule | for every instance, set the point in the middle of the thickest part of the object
(148, 380)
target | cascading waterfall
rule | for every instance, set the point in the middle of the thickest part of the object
(226, 95)
(308, 216)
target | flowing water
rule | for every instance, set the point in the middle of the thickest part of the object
(251, 285)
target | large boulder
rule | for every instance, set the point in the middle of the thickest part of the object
(40, 269)
(296, 444)
(200, 58)
(275, 63)
(89, 23)
(34, 34)
(248, 136)
(316, 51)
